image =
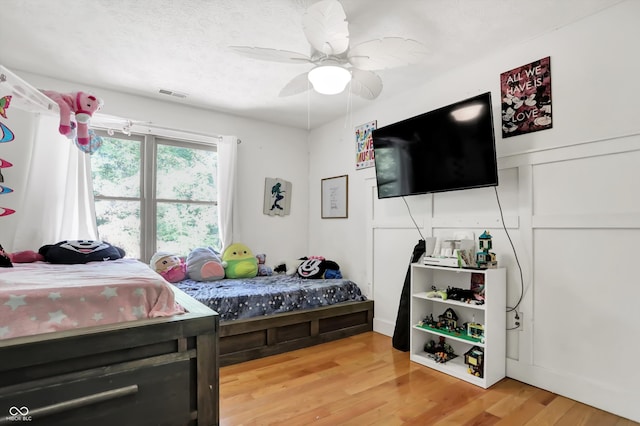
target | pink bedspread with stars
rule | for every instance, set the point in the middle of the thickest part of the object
(41, 297)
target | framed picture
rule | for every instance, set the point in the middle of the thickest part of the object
(526, 98)
(335, 197)
(277, 197)
(364, 145)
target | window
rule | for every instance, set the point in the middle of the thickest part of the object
(154, 194)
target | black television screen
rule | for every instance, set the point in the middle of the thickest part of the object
(446, 149)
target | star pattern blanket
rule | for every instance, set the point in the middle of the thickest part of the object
(41, 297)
(240, 298)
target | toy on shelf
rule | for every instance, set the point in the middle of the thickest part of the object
(464, 295)
(448, 319)
(440, 352)
(475, 330)
(438, 294)
(447, 323)
(82, 105)
(484, 257)
(474, 358)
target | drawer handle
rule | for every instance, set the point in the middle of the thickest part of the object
(81, 402)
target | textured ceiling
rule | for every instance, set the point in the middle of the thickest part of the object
(143, 46)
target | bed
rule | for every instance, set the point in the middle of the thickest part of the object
(269, 315)
(152, 362)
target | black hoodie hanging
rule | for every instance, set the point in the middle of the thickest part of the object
(401, 332)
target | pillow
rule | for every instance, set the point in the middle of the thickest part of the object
(204, 264)
(319, 267)
(80, 251)
(240, 261)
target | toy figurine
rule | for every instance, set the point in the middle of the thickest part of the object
(448, 320)
(440, 352)
(474, 358)
(435, 293)
(475, 330)
(484, 257)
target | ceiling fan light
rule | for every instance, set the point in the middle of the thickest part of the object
(329, 79)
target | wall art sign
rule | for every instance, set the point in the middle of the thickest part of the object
(364, 145)
(277, 197)
(526, 98)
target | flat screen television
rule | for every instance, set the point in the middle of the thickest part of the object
(447, 149)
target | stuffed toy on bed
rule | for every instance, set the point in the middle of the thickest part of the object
(288, 267)
(80, 251)
(5, 261)
(315, 267)
(204, 264)
(241, 263)
(263, 269)
(169, 265)
(82, 104)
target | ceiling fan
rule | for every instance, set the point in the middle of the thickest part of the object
(335, 62)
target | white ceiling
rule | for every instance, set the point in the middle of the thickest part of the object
(143, 46)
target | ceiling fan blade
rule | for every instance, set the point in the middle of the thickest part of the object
(388, 52)
(274, 55)
(325, 26)
(365, 84)
(299, 84)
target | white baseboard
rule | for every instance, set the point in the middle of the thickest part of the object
(383, 327)
(618, 401)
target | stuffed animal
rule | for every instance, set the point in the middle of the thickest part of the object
(169, 266)
(5, 260)
(241, 263)
(82, 104)
(288, 267)
(80, 251)
(26, 256)
(204, 264)
(319, 267)
(263, 270)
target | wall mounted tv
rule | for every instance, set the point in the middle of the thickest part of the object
(450, 148)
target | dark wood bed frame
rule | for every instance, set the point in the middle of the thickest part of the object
(244, 340)
(161, 371)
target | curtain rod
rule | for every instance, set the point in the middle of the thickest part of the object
(123, 125)
(187, 132)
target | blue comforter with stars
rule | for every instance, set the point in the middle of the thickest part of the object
(244, 298)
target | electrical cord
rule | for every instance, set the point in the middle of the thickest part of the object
(504, 226)
(515, 254)
(411, 216)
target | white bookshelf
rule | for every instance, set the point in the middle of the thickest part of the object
(491, 314)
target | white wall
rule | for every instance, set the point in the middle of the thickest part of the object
(570, 201)
(266, 150)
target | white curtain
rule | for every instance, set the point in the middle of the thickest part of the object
(226, 181)
(58, 202)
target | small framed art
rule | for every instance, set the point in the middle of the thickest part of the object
(335, 197)
(277, 197)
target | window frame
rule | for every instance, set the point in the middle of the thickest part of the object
(148, 181)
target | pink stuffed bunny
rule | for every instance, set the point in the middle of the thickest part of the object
(82, 104)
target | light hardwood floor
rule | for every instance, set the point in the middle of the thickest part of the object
(362, 380)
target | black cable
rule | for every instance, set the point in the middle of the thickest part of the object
(516, 256)
(414, 222)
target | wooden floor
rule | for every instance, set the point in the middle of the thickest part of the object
(362, 380)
